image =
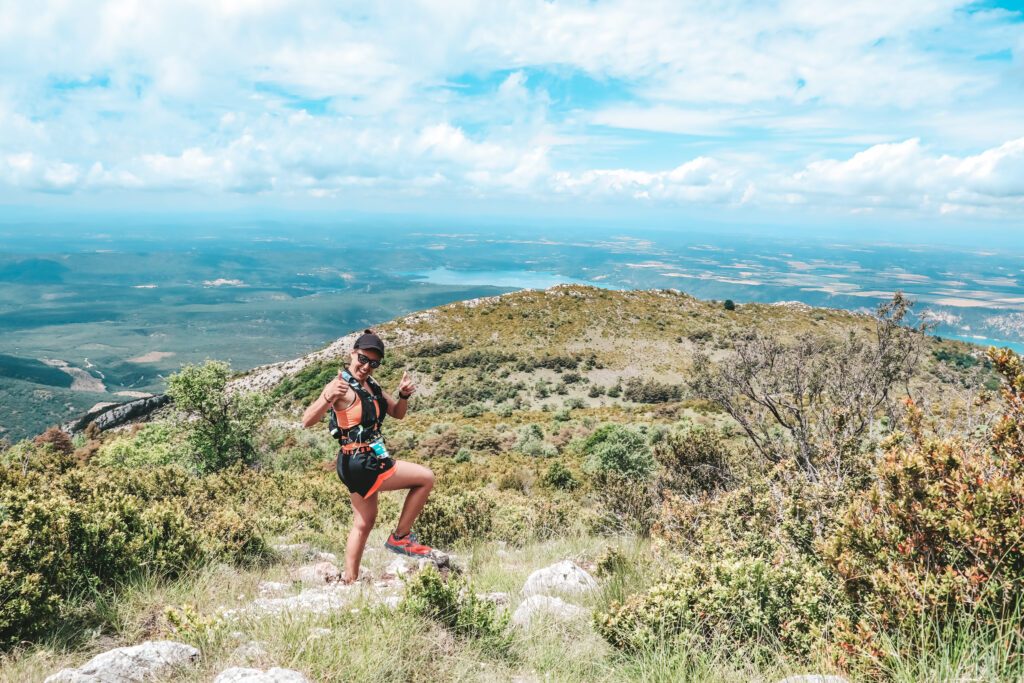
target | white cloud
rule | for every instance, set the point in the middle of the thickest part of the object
(858, 105)
(908, 175)
(701, 180)
(28, 171)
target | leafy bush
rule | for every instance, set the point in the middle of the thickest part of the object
(157, 443)
(452, 517)
(455, 606)
(554, 362)
(91, 528)
(472, 410)
(651, 391)
(483, 359)
(616, 449)
(745, 600)
(942, 532)
(28, 457)
(436, 349)
(625, 504)
(558, 476)
(693, 460)
(220, 427)
(957, 358)
(530, 441)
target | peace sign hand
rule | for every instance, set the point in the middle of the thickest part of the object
(406, 387)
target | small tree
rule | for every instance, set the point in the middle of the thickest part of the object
(814, 400)
(220, 425)
(729, 305)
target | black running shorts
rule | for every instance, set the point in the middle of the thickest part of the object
(363, 473)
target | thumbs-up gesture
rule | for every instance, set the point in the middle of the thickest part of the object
(406, 387)
(336, 390)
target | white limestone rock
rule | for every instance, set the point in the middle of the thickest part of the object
(562, 577)
(239, 674)
(149, 661)
(253, 651)
(316, 574)
(269, 588)
(312, 600)
(545, 606)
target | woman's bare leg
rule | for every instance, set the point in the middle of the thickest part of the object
(364, 515)
(419, 480)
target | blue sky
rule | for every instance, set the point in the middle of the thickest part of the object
(803, 111)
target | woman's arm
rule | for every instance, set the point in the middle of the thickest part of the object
(399, 406)
(335, 390)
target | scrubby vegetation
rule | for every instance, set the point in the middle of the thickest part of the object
(762, 491)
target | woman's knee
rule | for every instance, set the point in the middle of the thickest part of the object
(364, 523)
(428, 479)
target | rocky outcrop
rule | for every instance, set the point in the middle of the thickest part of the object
(149, 661)
(545, 606)
(562, 577)
(565, 577)
(108, 416)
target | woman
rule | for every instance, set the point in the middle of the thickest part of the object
(359, 405)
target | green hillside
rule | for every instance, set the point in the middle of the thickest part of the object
(758, 491)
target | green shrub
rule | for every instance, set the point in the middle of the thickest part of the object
(558, 476)
(435, 349)
(625, 504)
(30, 457)
(693, 460)
(90, 529)
(157, 443)
(942, 532)
(455, 606)
(530, 441)
(452, 517)
(616, 449)
(746, 600)
(651, 391)
(473, 410)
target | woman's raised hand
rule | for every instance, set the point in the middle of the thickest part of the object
(406, 387)
(335, 390)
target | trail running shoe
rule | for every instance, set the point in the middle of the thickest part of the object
(407, 545)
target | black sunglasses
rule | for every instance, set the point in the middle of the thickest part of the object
(368, 361)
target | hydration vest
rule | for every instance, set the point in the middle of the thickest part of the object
(361, 421)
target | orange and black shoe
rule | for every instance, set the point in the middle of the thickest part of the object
(407, 545)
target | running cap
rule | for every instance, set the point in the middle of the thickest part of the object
(368, 340)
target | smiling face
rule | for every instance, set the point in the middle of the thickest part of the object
(360, 368)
